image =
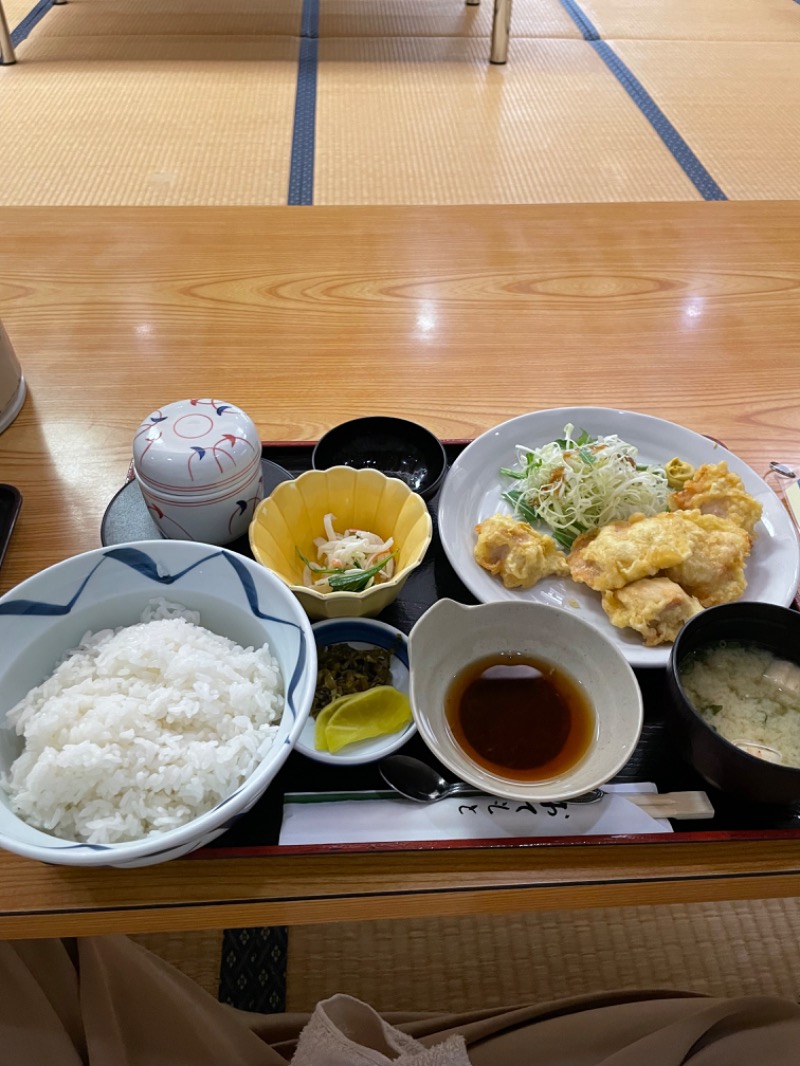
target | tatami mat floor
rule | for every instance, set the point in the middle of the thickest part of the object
(724, 949)
(485, 961)
(394, 101)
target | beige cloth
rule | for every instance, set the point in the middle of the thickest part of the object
(108, 1002)
(342, 1031)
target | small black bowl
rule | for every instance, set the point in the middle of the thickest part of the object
(721, 763)
(395, 446)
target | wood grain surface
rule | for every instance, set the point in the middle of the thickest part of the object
(456, 317)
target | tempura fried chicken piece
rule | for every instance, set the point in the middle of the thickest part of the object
(516, 553)
(714, 571)
(716, 491)
(623, 552)
(655, 607)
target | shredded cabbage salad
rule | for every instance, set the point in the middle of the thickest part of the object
(582, 482)
(348, 562)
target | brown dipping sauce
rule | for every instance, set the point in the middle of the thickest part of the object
(519, 717)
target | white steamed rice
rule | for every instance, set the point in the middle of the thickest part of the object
(141, 729)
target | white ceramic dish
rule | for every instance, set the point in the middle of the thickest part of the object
(473, 491)
(450, 636)
(47, 615)
(361, 633)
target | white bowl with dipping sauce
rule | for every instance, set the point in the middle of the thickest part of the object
(45, 617)
(198, 464)
(585, 690)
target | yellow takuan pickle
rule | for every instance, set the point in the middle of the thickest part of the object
(373, 713)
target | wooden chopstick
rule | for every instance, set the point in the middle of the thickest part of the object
(679, 805)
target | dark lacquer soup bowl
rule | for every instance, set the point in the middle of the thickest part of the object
(737, 717)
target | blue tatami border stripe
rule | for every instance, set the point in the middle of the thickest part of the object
(309, 19)
(301, 172)
(19, 34)
(582, 21)
(682, 153)
(676, 145)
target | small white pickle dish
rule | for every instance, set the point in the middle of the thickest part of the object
(362, 633)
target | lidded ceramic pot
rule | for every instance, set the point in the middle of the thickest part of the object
(198, 465)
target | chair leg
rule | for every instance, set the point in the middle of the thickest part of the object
(501, 25)
(7, 56)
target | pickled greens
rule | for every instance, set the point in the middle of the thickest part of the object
(582, 482)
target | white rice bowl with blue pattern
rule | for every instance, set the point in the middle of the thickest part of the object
(149, 693)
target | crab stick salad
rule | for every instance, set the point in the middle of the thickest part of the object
(352, 561)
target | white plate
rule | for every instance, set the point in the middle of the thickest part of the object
(361, 633)
(474, 487)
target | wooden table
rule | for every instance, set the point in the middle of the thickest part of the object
(458, 317)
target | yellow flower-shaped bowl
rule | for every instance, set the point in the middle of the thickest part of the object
(287, 521)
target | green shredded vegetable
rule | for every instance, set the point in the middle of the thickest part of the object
(355, 579)
(582, 482)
